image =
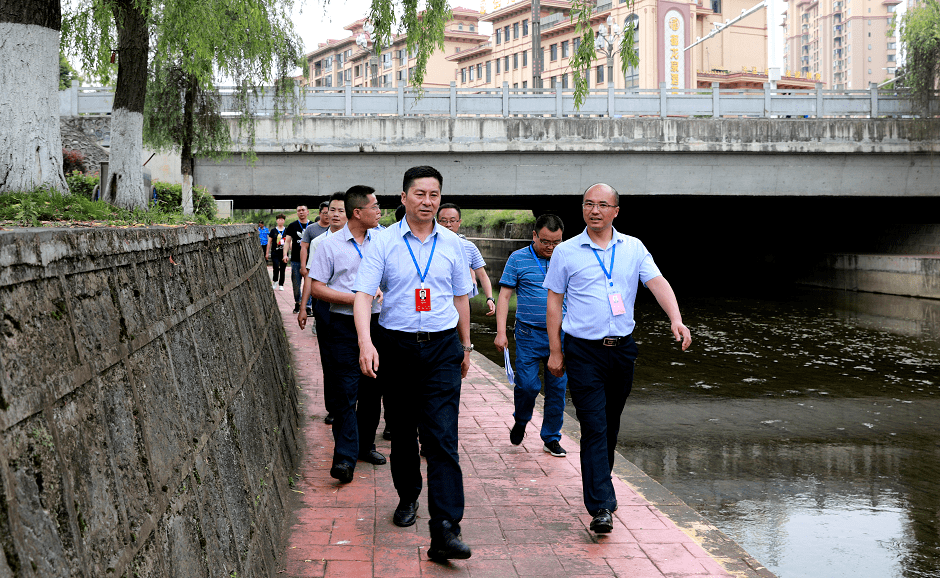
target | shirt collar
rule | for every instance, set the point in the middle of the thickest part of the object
(585, 239)
(347, 234)
(403, 228)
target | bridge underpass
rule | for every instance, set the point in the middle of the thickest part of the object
(722, 201)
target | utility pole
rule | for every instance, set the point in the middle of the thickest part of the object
(536, 46)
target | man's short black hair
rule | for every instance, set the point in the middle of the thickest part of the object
(280, 216)
(324, 205)
(356, 198)
(337, 196)
(400, 213)
(549, 221)
(450, 206)
(415, 173)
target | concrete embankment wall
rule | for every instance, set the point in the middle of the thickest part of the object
(148, 413)
(902, 260)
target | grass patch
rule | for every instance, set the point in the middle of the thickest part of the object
(481, 218)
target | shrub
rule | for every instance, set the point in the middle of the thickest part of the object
(72, 160)
(81, 184)
(170, 199)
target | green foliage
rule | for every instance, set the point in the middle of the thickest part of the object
(492, 219)
(920, 35)
(81, 184)
(170, 197)
(583, 59)
(423, 29)
(66, 73)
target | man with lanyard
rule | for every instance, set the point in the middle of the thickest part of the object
(333, 271)
(525, 272)
(449, 216)
(424, 334)
(295, 232)
(316, 228)
(598, 273)
(321, 311)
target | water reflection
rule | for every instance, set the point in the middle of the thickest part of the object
(804, 426)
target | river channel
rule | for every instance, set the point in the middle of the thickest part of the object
(805, 425)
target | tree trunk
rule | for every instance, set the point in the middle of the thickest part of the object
(126, 180)
(186, 154)
(30, 143)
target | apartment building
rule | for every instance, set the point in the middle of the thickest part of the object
(846, 44)
(336, 62)
(736, 58)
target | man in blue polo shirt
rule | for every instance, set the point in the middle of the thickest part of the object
(598, 273)
(423, 333)
(525, 272)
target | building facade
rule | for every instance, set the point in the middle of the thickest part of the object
(847, 43)
(337, 62)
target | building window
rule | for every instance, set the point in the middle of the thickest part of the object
(387, 60)
(515, 30)
(403, 57)
(525, 27)
(564, 49)
(515, 61)
(553, 51)
(506, 33)
(552, 81)
(460, 27)
(525, 84)
(891, 57)
(471, 28)
(470, 73)
(892, 46)
(506, 64)
(499, 35)
(480, 70)
(600, 74)
(515, 85)
(489, 75)
(498, 61)
(347, 74)
(463, 76)
(564, 81)
(525, 58)
(575, 43)
(328, 81)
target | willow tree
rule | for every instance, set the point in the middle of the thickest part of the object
(30, 143)
(250, 45)
(920, 36)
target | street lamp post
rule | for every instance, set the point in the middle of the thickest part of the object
(606, 42)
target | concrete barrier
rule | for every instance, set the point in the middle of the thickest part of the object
(914, 276)
(148, 412)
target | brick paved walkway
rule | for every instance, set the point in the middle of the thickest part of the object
(524, 513)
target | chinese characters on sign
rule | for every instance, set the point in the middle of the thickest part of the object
(675, 54)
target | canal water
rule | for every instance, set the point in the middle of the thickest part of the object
(805, 425)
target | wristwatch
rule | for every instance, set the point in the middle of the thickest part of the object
(467, 348)
(491, 299)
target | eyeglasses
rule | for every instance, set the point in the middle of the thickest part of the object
(374, 207)
(589, 206)
(448, 221)
(547, 243)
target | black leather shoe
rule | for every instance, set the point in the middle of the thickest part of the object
(342, 472)
(296, 307)
(517, 433)
(603, 522)
(373, 457)
(405, 514)
(328, 419)
(446, 546)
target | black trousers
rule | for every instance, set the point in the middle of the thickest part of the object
(599, 379)
(279, 267)
(421, 384)
(353, 399)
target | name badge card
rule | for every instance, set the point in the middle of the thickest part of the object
(422, 299)
(616, 304)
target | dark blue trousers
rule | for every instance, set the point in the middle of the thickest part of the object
(599, 380)
(351, 398)
(421, 383)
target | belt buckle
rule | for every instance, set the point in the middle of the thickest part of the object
(610, 341)
(423, 336)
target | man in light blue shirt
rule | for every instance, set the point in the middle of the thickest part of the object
(351, 397)
(423, 343)
(524, 273)
(599, 271)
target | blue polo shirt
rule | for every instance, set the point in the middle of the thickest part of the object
(525, 272)
(387, 264)
(577, 274)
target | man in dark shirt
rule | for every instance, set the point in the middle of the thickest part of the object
(295, 232)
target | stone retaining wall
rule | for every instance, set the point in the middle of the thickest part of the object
(148, 412)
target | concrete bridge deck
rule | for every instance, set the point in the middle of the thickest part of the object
(524, 514)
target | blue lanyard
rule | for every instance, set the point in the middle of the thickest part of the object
(430, 257)
(356, 245)
(537, 262)
(613, 254)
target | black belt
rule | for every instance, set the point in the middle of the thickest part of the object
(420, 336)
(607, 341)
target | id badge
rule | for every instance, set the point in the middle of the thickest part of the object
(422, 299)
(616, 304)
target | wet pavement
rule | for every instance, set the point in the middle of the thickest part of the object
(524, 514)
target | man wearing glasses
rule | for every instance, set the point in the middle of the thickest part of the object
(449, 216)
(333, 270)
(597, 273)
(524, 273)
